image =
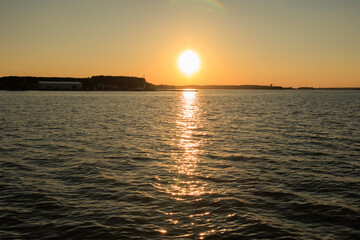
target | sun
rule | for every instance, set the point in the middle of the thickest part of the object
(189, 62)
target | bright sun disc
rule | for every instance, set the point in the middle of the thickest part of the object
(189, 62)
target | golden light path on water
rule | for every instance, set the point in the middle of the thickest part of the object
(187, 161)
(187, 185)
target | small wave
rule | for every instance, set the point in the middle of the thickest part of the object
(315, 213)
(141, 158)
(14, 165)
(219, 179)
(236, 158)
(284, 196)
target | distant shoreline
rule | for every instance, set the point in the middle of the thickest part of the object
(123, 83)
(247, 87)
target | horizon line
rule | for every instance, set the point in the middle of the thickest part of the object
(192, 85)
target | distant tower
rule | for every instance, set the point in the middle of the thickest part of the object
(271, 85)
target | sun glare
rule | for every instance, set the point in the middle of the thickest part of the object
(189, 62)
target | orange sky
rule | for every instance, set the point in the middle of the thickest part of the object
(280, 42)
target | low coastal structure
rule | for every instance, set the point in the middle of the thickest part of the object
(52, 85)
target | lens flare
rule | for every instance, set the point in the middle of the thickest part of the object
(215, 3)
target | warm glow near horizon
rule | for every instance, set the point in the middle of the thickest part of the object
(280, 42)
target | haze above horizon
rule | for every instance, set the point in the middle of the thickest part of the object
(259, 42)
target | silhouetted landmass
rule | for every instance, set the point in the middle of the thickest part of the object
(249, 87)
(115, 83)
(90, 84)
(170, 87)
(312, 88)
(119, 83)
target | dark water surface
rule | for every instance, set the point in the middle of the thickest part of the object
(212, 164)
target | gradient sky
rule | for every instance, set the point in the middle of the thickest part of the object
(282, 42)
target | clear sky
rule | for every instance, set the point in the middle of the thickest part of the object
(281, 42)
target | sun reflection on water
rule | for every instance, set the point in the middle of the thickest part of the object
(186, 184)
(187, 159)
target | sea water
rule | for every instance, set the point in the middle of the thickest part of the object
(212, 164)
